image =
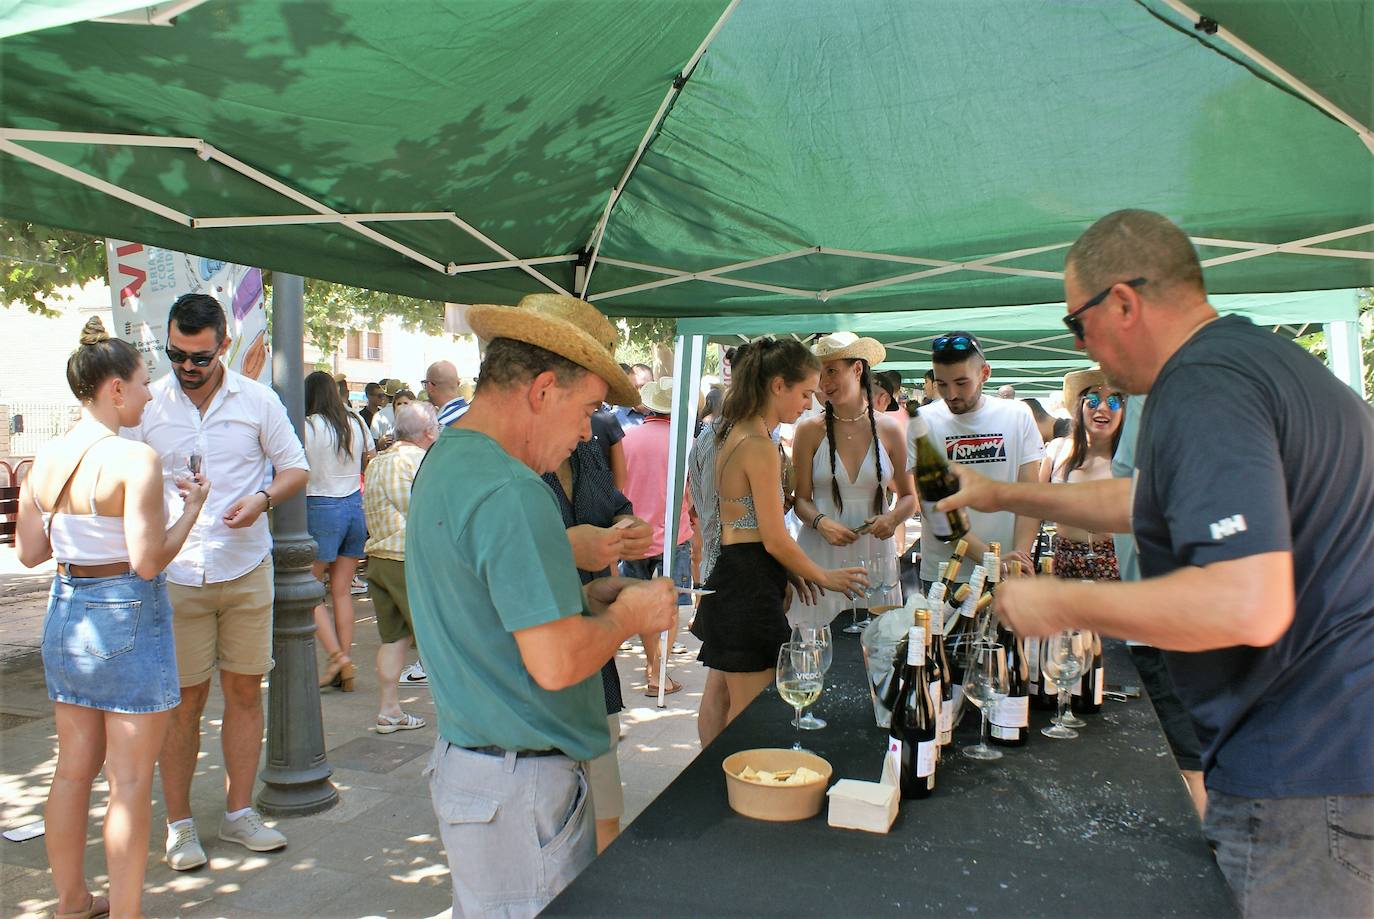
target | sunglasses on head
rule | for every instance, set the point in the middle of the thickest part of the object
(1114, 402)
(1073, 321)
(956, 344)
(179, 357)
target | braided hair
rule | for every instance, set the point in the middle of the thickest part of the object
(880, 494)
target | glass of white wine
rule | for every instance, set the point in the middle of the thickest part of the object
(800, 677)
(820, 637)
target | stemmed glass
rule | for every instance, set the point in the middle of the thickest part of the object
(1085, 659)
(819, 636)
(985, 682)
(1063, 664)
(858, 555)
(799, 680)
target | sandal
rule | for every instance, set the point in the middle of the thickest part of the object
(673, 686)
(96, 908)
(390, 724)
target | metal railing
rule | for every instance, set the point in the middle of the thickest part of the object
(33, 424)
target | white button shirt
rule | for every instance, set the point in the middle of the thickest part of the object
(243, 435)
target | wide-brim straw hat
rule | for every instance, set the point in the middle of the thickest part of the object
(657, 395)
(567, 326)
(848, 346)
(1075, 381)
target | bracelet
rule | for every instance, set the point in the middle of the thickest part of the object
(263, 492)
(816, 520)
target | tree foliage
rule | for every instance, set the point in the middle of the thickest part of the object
(1315, 343)
(38, 263)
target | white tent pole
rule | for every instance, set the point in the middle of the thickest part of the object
(502, 250)
(269, 220)
(712, 274)
(688, 359)
(492, 266)
(1311, 95)
(599, 232)
(90, 181)
(1271, 248)
(1292, 248)
(114, 140)
(1343, 354)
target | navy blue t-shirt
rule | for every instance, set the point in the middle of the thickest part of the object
(1250, 445)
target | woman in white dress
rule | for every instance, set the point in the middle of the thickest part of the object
(845, 461)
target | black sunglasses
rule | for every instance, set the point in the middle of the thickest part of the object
(178, 357)
(1076, 325)
(956, 343)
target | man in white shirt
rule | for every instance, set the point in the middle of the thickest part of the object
(996, 436)
(384, 419)
(220, 584)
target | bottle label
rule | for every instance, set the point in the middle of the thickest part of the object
(1001, 733)
(1078, 686)
(916, 646)
(1032, 657)
(992, 566)
(947, 720)
(892, 767)
(1101, 674)
(1011, 712)
(925, 758)
(936, 522)
(935, 700)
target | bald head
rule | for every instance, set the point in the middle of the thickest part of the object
(441, 382)
(1135, 244)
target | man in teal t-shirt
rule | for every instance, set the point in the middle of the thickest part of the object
(512, 642)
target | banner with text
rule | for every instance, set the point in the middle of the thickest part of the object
(144, 283)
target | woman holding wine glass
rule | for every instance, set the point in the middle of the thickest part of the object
(848, 461)
(742, 624)
(1083, 456)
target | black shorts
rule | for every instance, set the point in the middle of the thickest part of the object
(742, 625)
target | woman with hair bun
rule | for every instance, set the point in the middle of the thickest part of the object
(742, 624)
(94, 502)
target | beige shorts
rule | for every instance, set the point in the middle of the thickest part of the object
(608, 795)
(224, 626)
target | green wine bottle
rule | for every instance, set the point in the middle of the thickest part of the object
(935, 481)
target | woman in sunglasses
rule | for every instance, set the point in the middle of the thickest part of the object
(1084, 455)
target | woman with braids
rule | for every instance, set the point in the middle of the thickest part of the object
(742, 624)
(1084, 455)
(94, 502)
(338, 446)
(845, 464)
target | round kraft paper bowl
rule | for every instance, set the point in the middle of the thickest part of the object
(775, 802)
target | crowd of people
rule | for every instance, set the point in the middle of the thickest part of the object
(516, 536)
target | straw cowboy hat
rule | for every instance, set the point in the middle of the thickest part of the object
(567, 326)
(1075, 381)
(847, 345)
(657, 395)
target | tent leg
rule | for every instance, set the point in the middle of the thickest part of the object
(688, 359)
(1343, 354)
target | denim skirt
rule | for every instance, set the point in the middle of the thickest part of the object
(107, 644)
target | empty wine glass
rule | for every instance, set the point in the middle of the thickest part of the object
(818, 636)
(799, 679)
(856, 556)
(985, 682)
(1063, 664)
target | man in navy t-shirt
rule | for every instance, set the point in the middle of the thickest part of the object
(1253, 510)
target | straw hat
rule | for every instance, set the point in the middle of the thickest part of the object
(567, 326)
(392, 387)
(657, 395)
(847, 345)
(1075, 381)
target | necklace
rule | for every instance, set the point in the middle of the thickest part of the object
(863, 413)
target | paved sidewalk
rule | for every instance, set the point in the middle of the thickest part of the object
(376, 853)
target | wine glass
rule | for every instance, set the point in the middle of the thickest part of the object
(857, 556)
(799, 680)
(985, 682)
(1063, 664)
(818, 636)
(1085, 658)
(1091, 554)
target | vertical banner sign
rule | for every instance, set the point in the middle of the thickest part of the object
(144, 283)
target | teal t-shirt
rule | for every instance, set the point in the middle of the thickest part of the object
(487, 555)
(1123, 467)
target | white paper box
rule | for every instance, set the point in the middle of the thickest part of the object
(855, 805)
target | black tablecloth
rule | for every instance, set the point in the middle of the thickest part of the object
(1098, 826)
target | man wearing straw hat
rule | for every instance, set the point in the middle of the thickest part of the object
(512, 642)
(1252, 506)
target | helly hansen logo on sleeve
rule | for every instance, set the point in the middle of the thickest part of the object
(1228, 526)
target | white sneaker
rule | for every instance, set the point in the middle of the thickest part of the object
(359, 586)
(414, 675)
(184, 851)
(250, 832)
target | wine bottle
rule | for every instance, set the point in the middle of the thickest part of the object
(944, 710)
(1010, 719)
(913, 737)
(951, 574)
(1090, 700)
(1044, 695)
(935, 481)
(936, 674)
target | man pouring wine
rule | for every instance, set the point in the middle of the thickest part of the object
(1253, 509)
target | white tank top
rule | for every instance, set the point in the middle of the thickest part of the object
(85, 539)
